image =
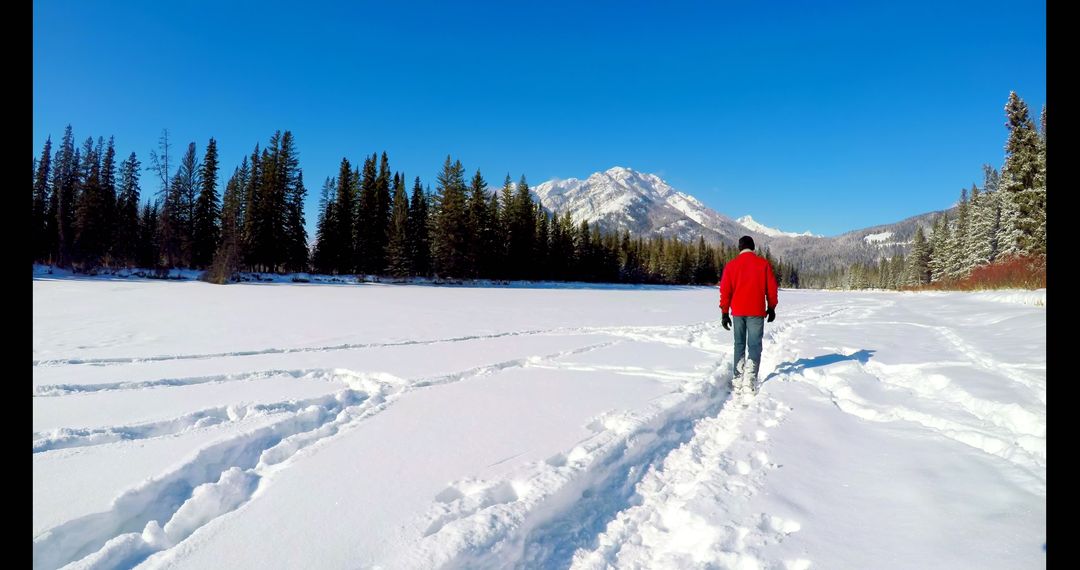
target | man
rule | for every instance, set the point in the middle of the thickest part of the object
(747, 285)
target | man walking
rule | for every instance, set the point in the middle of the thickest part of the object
(746, 286)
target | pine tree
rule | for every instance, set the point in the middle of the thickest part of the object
(896, 271)
(583, 253)
(418, 237)
(940, 249)
(479, 227)
(450, 238)
(178, 209)
(42, 193)
(1039, 191)
(65, 181)
(344, 217)
(918, 269)
(229, 253)
(1024, 191)
(205, 228)
(522, 232)
(957, 263)
(324, 255)
(504, 224)
(127, 212)
(541, 245)
(108, 189)
(92, 229)
(297, 259)
(148, 247)
(249, 181)
(978, 244)
(397, 250)
(269, 250)
(495, 240)
(367, 219)
(380, 229)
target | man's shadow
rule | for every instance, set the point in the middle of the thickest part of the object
(861, 356)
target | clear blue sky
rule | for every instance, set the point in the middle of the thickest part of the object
(820, 116)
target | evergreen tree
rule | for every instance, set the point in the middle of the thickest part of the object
(450, 239)
(398, 262)
(541, 245)
(940, 249)
(205, 228)
(977, 243)
(522, 232)
(418, 237)
(504, 224)
(42, 193)
(91, 217)
(957, 262)
(896, 271)
(479, 227)
(148, 247)
(297, 259)
(1023, 183)
(323, 257)
(562, 253)
(251, 207)
(367, 213)
(65, 181)
(704, 263)
(178, 211)
(380, 228)
(495, 239)
(269, 247)
(127, 212)
(343, 244)
(583, 253)
(108, 190)
(918, 269)
(229, 253)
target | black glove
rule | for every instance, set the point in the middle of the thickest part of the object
(772, 314)
(726, 322)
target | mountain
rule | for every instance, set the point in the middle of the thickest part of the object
(749, 222)
(620, 199)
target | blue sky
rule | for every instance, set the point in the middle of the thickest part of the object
(820, 116)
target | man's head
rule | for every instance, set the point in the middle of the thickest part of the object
(746, 242)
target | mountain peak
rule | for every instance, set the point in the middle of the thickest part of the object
(753, 225)
(621, 198)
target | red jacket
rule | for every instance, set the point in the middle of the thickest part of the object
(747, 283)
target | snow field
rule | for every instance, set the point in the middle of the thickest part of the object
(280, 425)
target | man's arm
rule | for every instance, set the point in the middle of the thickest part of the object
(725, 289)
(770, 286)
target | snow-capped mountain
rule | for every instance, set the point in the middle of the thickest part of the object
(620, 199)
(623, 199)
(771, 232)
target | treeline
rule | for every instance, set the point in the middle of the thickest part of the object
(89, 214)
(369, 224)
(997, 236)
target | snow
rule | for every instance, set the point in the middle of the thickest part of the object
(179, 424)
(878, 237)
(771, 232)
(628, 199)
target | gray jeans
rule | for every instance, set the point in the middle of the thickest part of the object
(748, 333)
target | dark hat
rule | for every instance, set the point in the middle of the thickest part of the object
(746, 242)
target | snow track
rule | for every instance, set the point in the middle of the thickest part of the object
(580, 434)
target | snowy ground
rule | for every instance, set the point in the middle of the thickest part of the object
(187, 425)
